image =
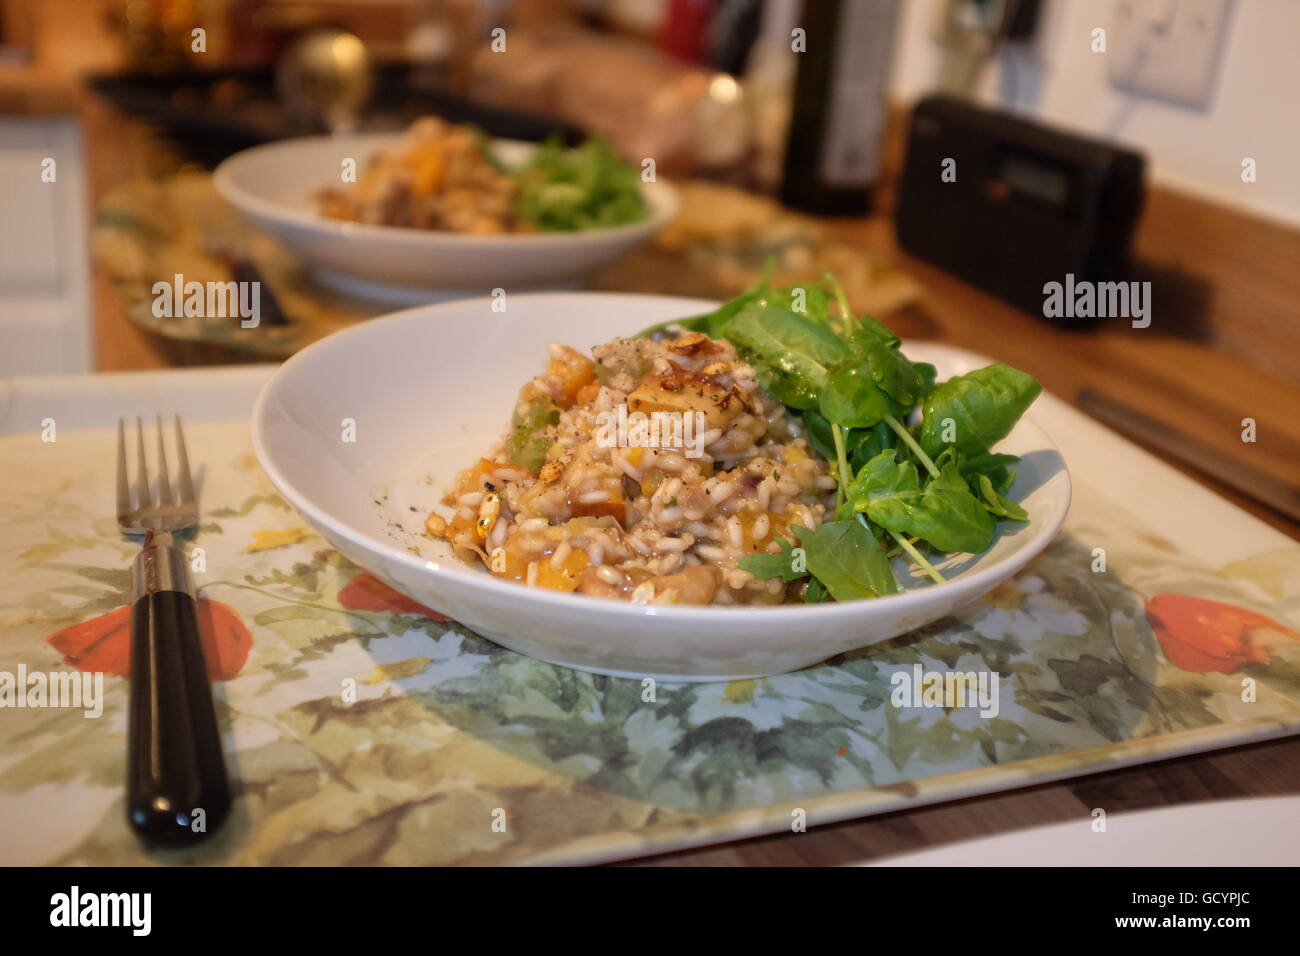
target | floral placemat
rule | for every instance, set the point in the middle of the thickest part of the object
(363, 728)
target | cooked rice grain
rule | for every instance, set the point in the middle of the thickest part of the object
(652, 525)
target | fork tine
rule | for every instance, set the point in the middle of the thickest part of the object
(164, 486)
(123, 486)
(186, 483)
(142, 479)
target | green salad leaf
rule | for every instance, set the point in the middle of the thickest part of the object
(591, 187)
(997, 504)
(977, 409)
(996, 468)
(885, 484)
(944, 512)
(843, 558)
(852, 398)
(816, 592)
(861, 444)
(781, 565)
(792, 353)
(847, 559)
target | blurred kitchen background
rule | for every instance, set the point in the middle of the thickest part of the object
(1126, 140)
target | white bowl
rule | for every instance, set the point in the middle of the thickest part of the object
(275, 187)
(428, 390)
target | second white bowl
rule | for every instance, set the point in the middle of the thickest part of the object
(275, 187)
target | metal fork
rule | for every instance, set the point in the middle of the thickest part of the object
(177, 790)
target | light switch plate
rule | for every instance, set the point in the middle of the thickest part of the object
(1168, 48)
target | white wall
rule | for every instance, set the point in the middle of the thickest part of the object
(1254, 111)
(45, 314)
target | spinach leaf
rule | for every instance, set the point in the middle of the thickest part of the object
(852, 399)
(816, 593)
(886, 485)
(951, 518)
(860, 444)
(877, 382)
(945, 513)
(864, 444)
(997, 504)
(765, 565)
(928, 375)
(847, 559)
(816, 303)
(819, 433)
(875, 330)
(983, 406)
(843, 557)
(993, 466)
(792, 354)
(890, 369)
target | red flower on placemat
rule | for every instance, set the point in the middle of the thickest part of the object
(1200, 635)
(104, 643)
(366, 592)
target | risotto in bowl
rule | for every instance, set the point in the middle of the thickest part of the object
(635, 486)
(644, 473)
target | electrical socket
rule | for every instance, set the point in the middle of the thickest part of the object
(1168, 48)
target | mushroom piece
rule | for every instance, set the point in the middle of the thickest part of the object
(592, 582)
(694, 585)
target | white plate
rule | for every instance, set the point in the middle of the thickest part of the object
(1256, 832)
(428, 390)
(275, 187)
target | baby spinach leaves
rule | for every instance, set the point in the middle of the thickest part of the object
(936, 482)
(975, 411)
(783, 565)
(998, 505)
(945, 512)
(816, 592)
(819, 433)
(852, 399)
(884, 484)
(848, 560)
(792, 353)
(888, 367)
(997, 468)
(843, 559)
(875, 383)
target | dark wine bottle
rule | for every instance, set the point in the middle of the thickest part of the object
(837, 124)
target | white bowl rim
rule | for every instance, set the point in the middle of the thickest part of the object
(489, 585)
(660, 197)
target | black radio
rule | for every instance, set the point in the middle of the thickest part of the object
(1010, 205)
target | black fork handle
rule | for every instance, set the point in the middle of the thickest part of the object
(177, 789)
